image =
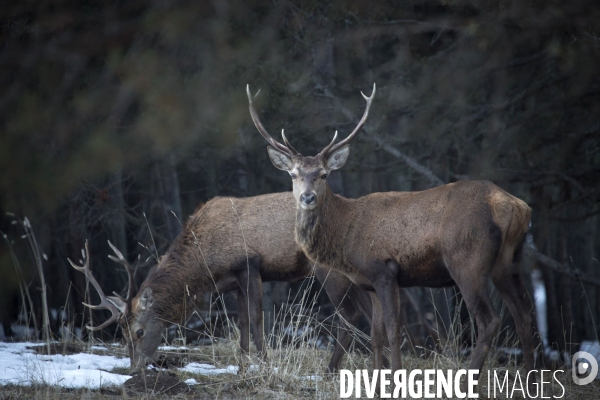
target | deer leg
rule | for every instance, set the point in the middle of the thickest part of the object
(344, 338)
(377, 332)
(250, 284)
(518, 302)
(347, 300)
(244, 323)
(470, 259)
(488, 322)
(342, 344)
(255, 295)
(388, 294)
(370, 307)
(478, 303)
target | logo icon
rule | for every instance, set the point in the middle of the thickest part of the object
(585, 371)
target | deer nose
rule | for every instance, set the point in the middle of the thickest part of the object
(308, 198)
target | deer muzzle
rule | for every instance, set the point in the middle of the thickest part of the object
(308, 200)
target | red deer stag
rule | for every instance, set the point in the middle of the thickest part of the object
(228, 244)
(458, 234)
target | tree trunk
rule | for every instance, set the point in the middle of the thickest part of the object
(170, 196)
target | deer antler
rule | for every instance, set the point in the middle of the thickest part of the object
(105, 304)
(121, 260)
(287, 148)
(331, 147)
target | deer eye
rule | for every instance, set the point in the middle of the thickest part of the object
(140, 333)
(293, 176)
(324, 176)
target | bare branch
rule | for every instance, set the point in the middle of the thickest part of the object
(551, 263)
(411, 162)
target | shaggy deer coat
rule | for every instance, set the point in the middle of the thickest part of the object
(232, 244)
(463, 234)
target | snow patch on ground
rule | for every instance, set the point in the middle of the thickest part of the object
(207, 369)
(174, 348)
(22, 366)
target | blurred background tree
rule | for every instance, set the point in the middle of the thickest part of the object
(115, 114)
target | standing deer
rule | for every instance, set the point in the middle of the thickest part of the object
(228, 244)
(458, 234)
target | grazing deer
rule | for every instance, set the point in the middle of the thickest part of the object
(227, 244)
(458, 234)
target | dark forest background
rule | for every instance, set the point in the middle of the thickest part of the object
(115, 114)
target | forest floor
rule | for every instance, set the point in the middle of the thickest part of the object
(199, 372)
(81, 371)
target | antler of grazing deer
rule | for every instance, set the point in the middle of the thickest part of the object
(105, 302)
(331, 147)
(287, 147)
(121, 260)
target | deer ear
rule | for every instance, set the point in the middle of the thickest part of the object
(146, 298)
(119, 303)
(338, 158)
(279, 159)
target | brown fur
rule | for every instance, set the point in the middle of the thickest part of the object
(462, 233)
(423, 229)
(235, 244)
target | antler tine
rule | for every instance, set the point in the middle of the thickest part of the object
(261, 129)
(287, 143)
(326, 149)
(104, 303)
(121, 260)
(113, 318)
(119, 296)
(331, 147)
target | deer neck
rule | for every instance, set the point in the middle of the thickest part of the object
(168, 291)
(175, 284)
(321, 232)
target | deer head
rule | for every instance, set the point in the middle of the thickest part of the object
(309, 174)
(136, 317)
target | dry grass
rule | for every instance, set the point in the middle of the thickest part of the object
(287, 375)
(295, 368)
